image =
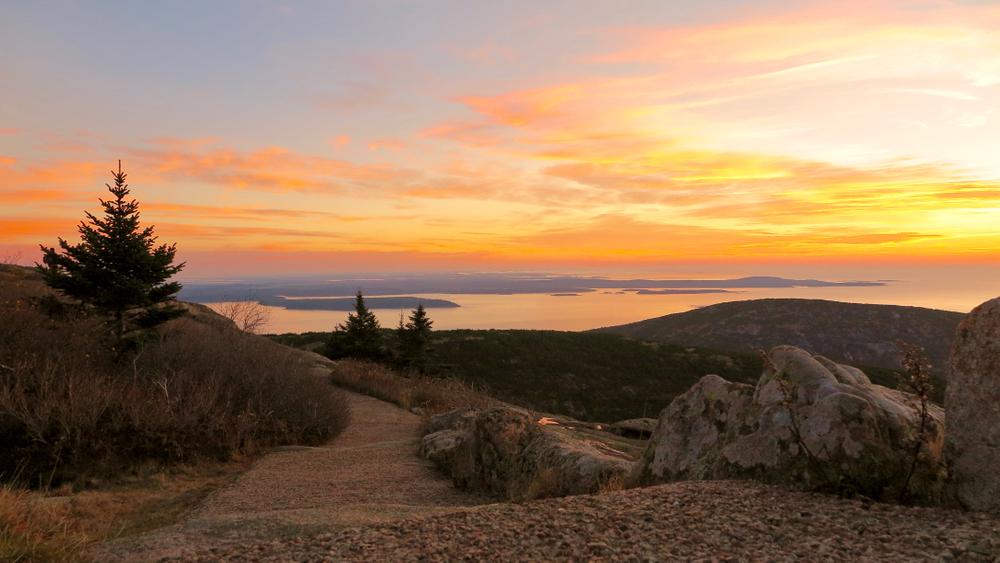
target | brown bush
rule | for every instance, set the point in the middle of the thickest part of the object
(249, 316)
(430, 395)
(69, 410)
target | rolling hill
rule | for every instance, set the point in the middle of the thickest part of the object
(853, 333)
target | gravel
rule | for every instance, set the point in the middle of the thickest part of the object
(707, 520)
(369, 474)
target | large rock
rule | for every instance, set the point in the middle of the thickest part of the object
(506, 451)
(809, 421)
(972, 402)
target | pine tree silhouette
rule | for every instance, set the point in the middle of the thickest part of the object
(116, 270)
(414, 339)
(361, 334)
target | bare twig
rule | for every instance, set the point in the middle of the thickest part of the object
(916, 380)
(249, 315)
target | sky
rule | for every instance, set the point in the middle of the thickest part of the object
(297, 137)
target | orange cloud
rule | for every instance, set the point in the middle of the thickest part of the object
(18, 175)
(446, 191)
(268, 169)
(339, 141)
(202, 212)
(19, 197)
(14, 229)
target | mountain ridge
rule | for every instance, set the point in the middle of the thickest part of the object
(858, 333)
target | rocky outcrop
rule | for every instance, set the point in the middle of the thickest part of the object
(808, 421)
(507, 452)
(973, 406)
(856, 333)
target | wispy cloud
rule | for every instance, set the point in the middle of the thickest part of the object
(817, 129)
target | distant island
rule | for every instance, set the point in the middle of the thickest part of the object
(347, 303)
(476, 284)
(677, 291)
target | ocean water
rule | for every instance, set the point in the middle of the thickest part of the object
(956, 289)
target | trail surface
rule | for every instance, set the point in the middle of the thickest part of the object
(697, 520)
(369, 474)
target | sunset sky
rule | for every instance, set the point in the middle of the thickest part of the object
(293, 137)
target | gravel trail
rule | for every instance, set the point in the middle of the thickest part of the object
(371, 473)
(707, 520)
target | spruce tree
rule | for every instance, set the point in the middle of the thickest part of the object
(362, 334)
(116, 270)
(415, 338)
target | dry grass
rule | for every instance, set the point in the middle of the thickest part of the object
(58, 525)
(550, 482)
(612, 484)
(547, 482)
(430, 395)
(199, 390)
(32, 529)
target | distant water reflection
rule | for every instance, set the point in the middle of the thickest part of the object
(602, 308)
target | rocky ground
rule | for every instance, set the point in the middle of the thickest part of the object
(712, 520)
(368, 496)
(369, 474)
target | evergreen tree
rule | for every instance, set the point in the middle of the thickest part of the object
(116, 270)
(415, 338)
(361, 334)
(400, 337)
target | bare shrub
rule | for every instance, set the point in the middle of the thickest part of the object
(430, 395)
(612, 484)
(69, 411)
(12, 258)
(916, 379)
(248, 316)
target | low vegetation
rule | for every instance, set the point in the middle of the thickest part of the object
(248, 316)
(34, 530)
(588, 376)
(426, 395)
(96, 446)
(71, 410)
(58, 525)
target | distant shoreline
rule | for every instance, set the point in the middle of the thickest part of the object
(347, 303)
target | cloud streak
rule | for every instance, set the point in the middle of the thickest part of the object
(819, 130)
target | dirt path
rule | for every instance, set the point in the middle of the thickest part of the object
(685, 521)
(370, 474)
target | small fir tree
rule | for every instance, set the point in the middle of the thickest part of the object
(400, 334)
(361, 334)
(415, 338)
(116, 270)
